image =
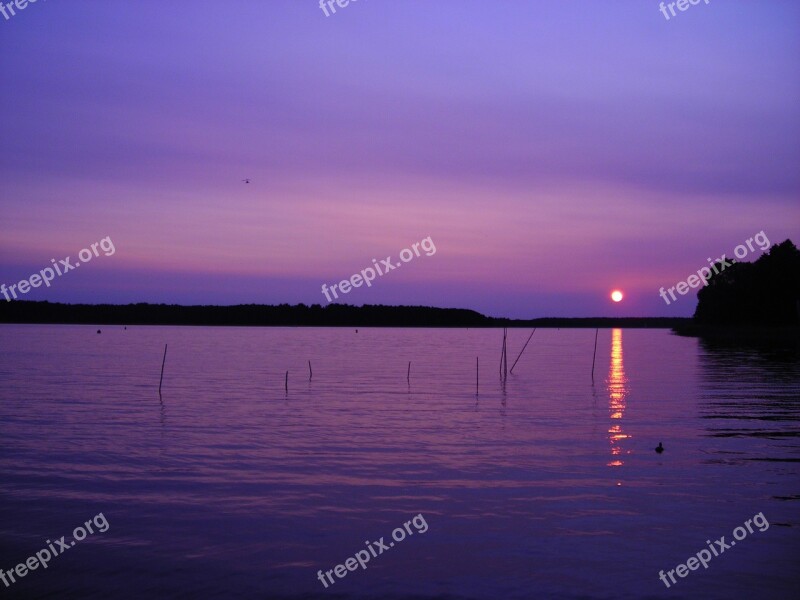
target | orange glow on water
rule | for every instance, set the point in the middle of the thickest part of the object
(617, 392)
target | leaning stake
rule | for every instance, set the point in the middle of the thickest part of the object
(162, 369)
(595, 352)
(310, 373)
(523, 349)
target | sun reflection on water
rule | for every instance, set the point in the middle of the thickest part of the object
(617, 392)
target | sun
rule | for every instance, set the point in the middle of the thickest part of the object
(616, 296)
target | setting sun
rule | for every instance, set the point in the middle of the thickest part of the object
(616, 295)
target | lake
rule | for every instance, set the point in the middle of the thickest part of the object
(545, 486)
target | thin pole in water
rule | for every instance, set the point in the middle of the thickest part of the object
(286, 381)
(310, 373)
(477, 374)
(523, 349)
(501, 359)
(502, 351)
(595, 352)
(164, 360)
(408, 374)
(505, 354)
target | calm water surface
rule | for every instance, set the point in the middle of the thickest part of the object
(548, 487)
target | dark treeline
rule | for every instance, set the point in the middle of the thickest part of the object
(332, 315)
(243, 314)
(765, 292)
(751, 303)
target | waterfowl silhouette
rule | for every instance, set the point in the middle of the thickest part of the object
(659, 448)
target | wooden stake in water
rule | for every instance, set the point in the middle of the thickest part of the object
(594, 353)
(505, 354)
(408, 374)
(164, 360)
(523, 349)
(286, 381)
(310, 373)
(502, 351)
(477, 374)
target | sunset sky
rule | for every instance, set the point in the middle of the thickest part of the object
(553, 151)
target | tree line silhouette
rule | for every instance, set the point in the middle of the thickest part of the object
(331, 315)
(765, 292)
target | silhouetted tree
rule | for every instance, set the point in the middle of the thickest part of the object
(766, 292)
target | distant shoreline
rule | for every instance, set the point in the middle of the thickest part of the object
(300, 315)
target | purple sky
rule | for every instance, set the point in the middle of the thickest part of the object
(553, 150)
